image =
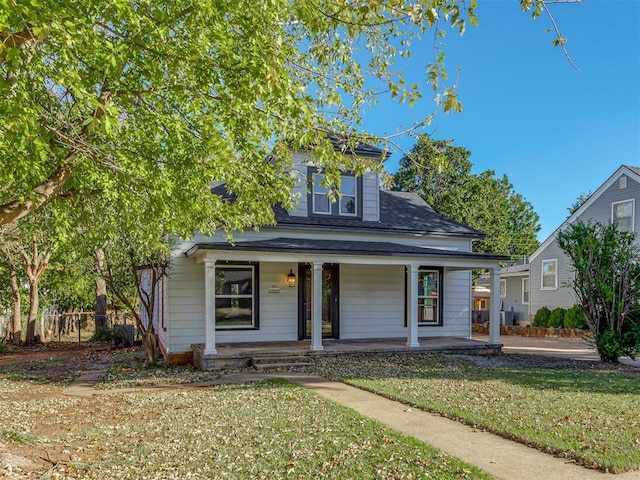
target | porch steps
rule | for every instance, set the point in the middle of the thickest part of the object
(275, 362)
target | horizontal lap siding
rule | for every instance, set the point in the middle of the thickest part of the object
(278, 311)
(456, 294)
(563, 296)
(185, 302)
(513, 300)
(371, 301)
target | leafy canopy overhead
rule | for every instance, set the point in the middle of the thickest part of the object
(120, 99)
(441, 174)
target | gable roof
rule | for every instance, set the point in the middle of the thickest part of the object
(400, 212)
(631, 172)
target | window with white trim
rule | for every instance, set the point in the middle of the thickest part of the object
(622, 213)
(346, 197)
(503, 288)
(525, 291)
(429, 297)
(235, 297)
(549, 274)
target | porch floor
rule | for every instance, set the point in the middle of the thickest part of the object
(243, 353)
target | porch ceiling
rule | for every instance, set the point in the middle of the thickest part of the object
(315, 247)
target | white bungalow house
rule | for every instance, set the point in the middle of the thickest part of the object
(545, 281)
(374, 265)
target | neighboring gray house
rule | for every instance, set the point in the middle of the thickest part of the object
(514, 294)
(375, 264)
(550, 270)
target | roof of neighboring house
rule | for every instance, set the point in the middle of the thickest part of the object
(400, 212)
(515, 269)
(328, 247)
(632, 172)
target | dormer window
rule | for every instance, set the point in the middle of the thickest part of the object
(346, 198)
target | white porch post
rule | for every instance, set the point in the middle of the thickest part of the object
(210, 307)
(412, 305)
(316, 311)
(494, 318)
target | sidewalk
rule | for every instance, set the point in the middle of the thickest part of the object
(504, 459)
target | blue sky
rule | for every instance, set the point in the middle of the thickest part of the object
(554, 131)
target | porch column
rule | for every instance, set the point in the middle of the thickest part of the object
(412, 305)
(316, 310)
(210, 307)
(494, 314)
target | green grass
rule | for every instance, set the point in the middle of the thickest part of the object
(591, 416)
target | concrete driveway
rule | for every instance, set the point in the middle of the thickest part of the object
(575, 348)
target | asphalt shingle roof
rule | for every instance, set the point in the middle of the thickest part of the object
(400, 212)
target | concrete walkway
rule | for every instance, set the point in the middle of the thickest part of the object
(504, 459)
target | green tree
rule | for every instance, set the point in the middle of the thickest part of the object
(607, 285)
(440, 173)
(114, 97)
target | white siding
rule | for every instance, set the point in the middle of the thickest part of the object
(456, 299)
(370, 197)
(513, 300)
(372, 301)
(300, 162)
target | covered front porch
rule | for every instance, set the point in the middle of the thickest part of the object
(286, 354)
(391, 298)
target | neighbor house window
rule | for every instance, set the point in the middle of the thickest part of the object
(235, 297)
(550, 274)
(346, 197)
(503, 288)
(525, 291)
(429, 297)
(622, 214)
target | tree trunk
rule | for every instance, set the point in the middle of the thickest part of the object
(100, 318)
(16, 322)
(33, 311)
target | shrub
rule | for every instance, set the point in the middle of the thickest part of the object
(102, 334)
(3, 347)
(612, 345)
(556, 319)
(542, 317)
(574, 318)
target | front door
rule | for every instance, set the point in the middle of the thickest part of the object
(330, 323)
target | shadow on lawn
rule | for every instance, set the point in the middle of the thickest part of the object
(526, 370)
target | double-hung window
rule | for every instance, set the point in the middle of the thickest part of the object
(429, 297)
(346, 197)
(235, 297)
(525, 291)
(503, 288)
(622, 213)
(549, 274)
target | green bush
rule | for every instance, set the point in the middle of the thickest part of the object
(611, 345)
(542, 317)
(574, 318)
(3, 347)
(556, 319)
(102, 334)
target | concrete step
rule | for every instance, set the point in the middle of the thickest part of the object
(281, 361)
(276, 366)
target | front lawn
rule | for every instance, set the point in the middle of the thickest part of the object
(263, 430)
(583, 412)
